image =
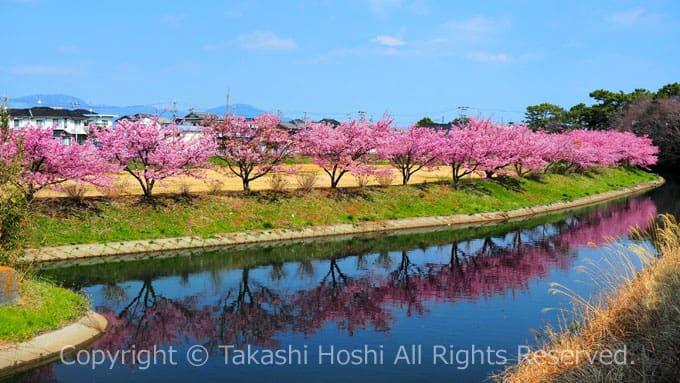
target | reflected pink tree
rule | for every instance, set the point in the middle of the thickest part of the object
(254, 313)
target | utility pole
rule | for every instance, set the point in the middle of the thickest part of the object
(362, 115)
(462, 110)
(305, 118)
(174, 109)
(227, 110)
(74, 105)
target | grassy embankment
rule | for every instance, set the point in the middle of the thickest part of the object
(56, 222)
(42, 307)
(190, 262)
(641, 317)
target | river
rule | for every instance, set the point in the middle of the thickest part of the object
(430, 307)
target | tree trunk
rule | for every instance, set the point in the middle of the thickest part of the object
(30, 195)
(454, 173)
(148, 189)
(246, 185)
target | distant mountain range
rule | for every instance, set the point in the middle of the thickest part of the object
(72, 102)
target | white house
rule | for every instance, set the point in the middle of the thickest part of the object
(67, 125)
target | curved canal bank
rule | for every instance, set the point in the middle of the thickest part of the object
(51, 346)
(638, 322)
(74, 252)
(465, 290)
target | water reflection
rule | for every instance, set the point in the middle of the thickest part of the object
(150, 319)
(352, 291)
(257, 304)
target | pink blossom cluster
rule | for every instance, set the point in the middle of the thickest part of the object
(151, 151)
(477, 146)
(349, 147)
(9, 150)
(587, 149)
(147, 149)
(481, 145)
(46, 161)
(251, 148)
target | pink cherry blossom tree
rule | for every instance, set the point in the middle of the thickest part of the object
(13, 207)
(529, 150)
(583, 149)
(46, 161)
(636, 151)
(493, 147)
(348, 147)
(412, 150)
(151, 152)
(251, 148)
(615, 148)
(459, 151)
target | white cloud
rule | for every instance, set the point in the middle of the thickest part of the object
(489, 57)
(628, 17)
(41, 70)
(388, 41)
(265, 41)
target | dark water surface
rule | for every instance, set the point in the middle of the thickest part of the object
(428, 307)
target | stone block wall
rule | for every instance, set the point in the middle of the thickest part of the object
(9, 292)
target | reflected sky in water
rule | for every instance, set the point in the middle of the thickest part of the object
(481, 288)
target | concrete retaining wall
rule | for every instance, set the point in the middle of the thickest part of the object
(9, 293)
(19, 357)
(64, 253)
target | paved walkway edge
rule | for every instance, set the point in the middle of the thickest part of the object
(110, 249)
(48, 347)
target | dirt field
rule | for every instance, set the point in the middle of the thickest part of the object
(220, 180)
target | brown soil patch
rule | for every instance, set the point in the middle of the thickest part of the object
(127, 185)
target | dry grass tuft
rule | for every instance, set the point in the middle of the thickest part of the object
(214, 186)
(362, 180)
(75, 191)
(277, 182)
(385, 180)
(307, 180)
(642, 318)
(116, 189)
(184, 189)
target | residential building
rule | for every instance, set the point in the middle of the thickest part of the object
(67, 125)
(194, 118)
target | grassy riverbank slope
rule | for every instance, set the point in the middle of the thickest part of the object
(59, 222)
(42, 307)
(642, 317)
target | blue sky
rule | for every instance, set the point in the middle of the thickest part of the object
(334, 58)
